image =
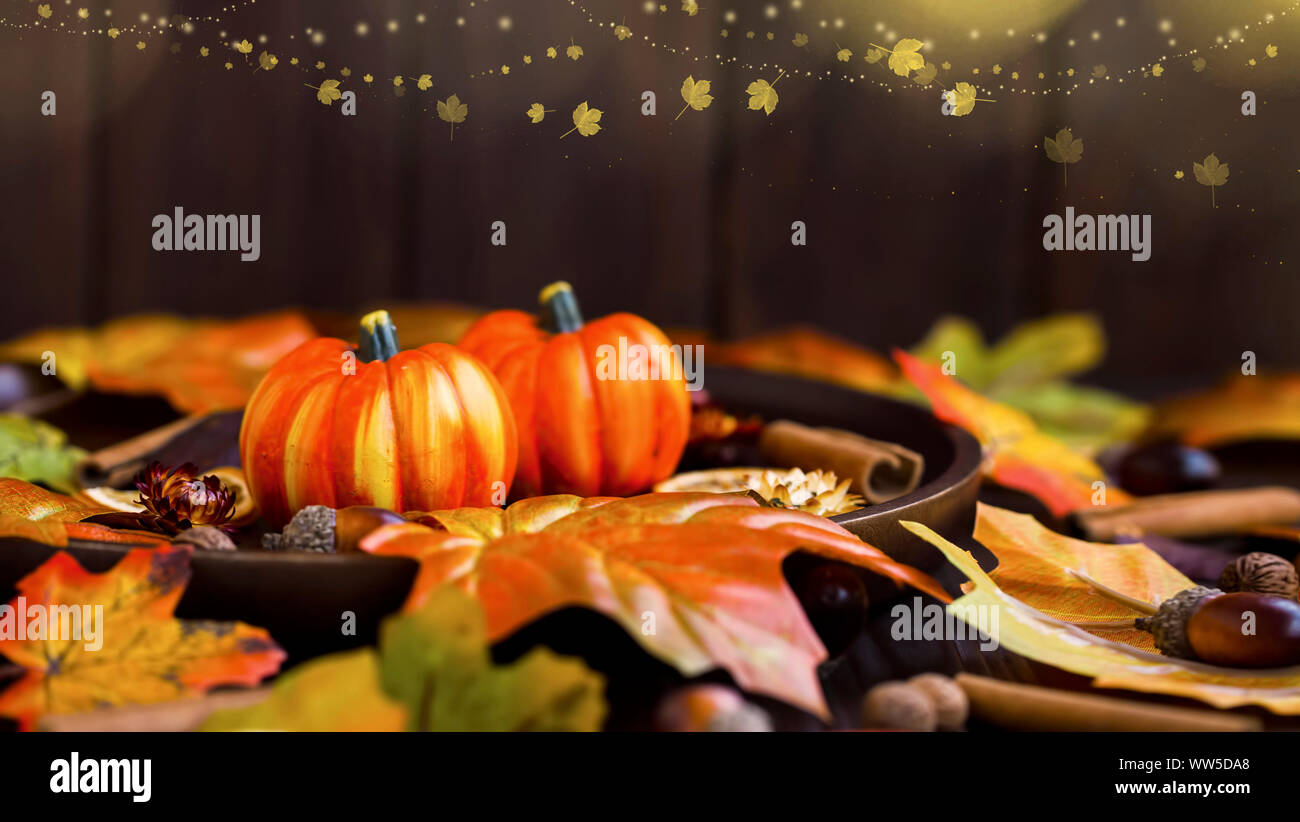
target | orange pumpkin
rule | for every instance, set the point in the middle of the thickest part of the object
(331, 424)
(586, 427)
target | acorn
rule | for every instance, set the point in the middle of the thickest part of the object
(1233, 630)
(1261, 573)
(327, 530)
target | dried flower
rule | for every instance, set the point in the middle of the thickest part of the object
(176, 499)
(817, 492)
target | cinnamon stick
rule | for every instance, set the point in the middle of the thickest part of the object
(879, 471)
(1033, 708)
(1195, 514)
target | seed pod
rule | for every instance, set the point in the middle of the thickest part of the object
(1261, 573)
(323, 529)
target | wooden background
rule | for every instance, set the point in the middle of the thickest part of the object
(910, 214)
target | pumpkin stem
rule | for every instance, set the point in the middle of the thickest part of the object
(378, 338)
(560, 312)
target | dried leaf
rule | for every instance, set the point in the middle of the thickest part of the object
(139, 653)
(925, 75)
(696, 95)
(705, 568)
(452, 111)
(586, 121)
(905, 58)
(1210, 172)
(762, 96)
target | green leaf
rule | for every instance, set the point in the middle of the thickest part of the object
(436, 662)
(961, 337)
(36, 451)
(1046, 349)
(1085, 418)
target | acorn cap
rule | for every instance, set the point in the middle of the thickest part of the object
(1168, 625)
(311, 529)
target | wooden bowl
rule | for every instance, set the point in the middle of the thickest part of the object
(304, 600)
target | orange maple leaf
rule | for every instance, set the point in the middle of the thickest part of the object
(706, 568)
(117, 642)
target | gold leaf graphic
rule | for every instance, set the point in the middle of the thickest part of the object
(44, 11)
(424, 83)
(696, 95)
(925, 74)
(452, 111)
(1210, 172)
(203, 51)
(1157, 70)
(113, 33)
(762, 95)
(139, 44)
(873, 55)
(621, 32)
(1099, 71)
(691, 7)
(327, 92)
(844, 55)
(266, 61)
(242, 46)
(1063, 149)
(1198, 65)
(904, 59)
(537, 113)
(1270, 50)
(397, 81)
(550, 52)
(83, 13)
(1178, 175)
(573, 52)
(800, 40)
(586, 121)
(963, 99)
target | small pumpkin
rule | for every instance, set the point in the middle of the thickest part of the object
(337, 425)
(586, 427)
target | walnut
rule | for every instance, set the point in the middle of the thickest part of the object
(900, 706)
(1261, 573)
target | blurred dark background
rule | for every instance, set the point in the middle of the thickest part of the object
(910, 214)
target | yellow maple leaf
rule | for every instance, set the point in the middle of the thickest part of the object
(293, 61)
(113, 33)
(586, 121)
(1178, 175)
(397, 81)
(1099, 71)
(1198, 65)
(44, 11)
(573, 52)
(528, 59)
(696, 95)
(962, 98)
(242, 46)
(505, 69)
(203, 51)
(844, 55)
(762, 95)
(800, 40)
(328, 91)
(1015, 75)
(1270, 50)
(945, 65)
(424, 83)
(452, 111)
(1250, 62)
(925, 74)
(1063, 149)
(1069, 72)
(621, 32)
(536, 112)
(550, 52)
(1210, 172)
(369, 78)
(1157, 70)
(229, 65)
(873, 55)
(83, 13)
(997, 68)
(905, 59)
(691, 7)
(267, 61)
(139, 44)
(345, 71)
(320, 64)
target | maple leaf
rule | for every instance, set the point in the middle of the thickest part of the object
(528, 59)
(1063, 149)
(962, 98)
(1099, 71)
(573, 52)
(242, 46)
(1178, 175)
(432, 672)
(762, 95)
(536, 113)
(397, 80)
(696, 95)
(1157, 70)
(1210, 172)
(997, 69)
(925, 74)
(146, 654)
(621, 32)
(139, 44)
(452, 111)
(550, 52)
(424, 83)
(1270, 50)
(800, 40)
(844, 55)
(267, 61)
(904, 59)
(203, 51)
(328, 91)
(44, 11)
(1198, 64)
(320, 64)
(368, 78)
(586, 121)
(691, 7)
(36, 514)
(1018, 454)
(113, 33)
(873, 55)
(706, 566)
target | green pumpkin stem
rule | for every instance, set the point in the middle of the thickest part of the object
(560, 312)
(378, 338)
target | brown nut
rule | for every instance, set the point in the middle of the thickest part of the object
(1261, 573)
(899, 706)
(1246, 631)
(950, 702)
